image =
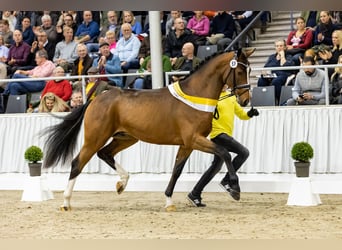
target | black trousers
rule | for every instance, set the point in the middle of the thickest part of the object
(231, 145)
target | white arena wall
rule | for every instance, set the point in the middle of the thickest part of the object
(269, 168)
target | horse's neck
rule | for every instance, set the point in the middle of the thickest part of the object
(202, 86)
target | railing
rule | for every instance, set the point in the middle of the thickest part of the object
(83, 78)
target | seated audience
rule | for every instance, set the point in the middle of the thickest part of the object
(18, 53)
(110, 39)
(174, 14)
(41, 43)
(94, 86)
(222, 31)
(83, 62)
(6, 33)
(176, 39)
(199, 25)
(309, 87)
(60, 87)
(10, 18)
(48, 28)
(127, 49)
(128, 17)
(65, 20)
(88, 31)
(76, 99)
(331, 56)
(278, 59)
(324, 29)
(107, 63)
(65, 52)
(299, 40)
(3, 51)
(52, 103)
(336, 83)
(27, 31)
(187, 62)
(44, 68)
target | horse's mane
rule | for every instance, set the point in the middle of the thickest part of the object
(204, 62)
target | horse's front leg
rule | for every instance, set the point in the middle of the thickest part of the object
(181, 158)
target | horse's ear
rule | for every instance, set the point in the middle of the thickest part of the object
(248, 51)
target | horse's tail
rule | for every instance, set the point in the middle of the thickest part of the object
(62, 138)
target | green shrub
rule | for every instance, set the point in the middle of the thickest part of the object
(33, 154)
(302, 151)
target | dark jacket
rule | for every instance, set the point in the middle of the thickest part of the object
(173, 45)
(223, 24)
(87, 63)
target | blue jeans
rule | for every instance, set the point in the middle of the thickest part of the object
(22, 87)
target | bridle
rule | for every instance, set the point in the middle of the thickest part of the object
(233, 65)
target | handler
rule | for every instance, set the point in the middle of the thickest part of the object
(221, 134)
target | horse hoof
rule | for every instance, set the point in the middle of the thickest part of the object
(64, 208)
(120, 187)
(171, 208)
(234, 194)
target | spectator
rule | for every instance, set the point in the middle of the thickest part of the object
(6, 33)
(127, 49)
(11, 19)
(52, 103)
(3, 51)
(44, 68)
(176, 39)
(27, 31)
(83, 62)
(336, 83)
(41, 43)
(279, 59)
(107, 63)
(94, 86)
(60, 87)
(331, 56)
(223, 27)
(112, 25)
(88, 31)
(65, 52)
(145, 82)
(299, 40)
(128, 17)
(163, 21)
(309, 88)
(48, 28)
(199, 25)
(18, 53)
(324, 29)
(187, 62)
(169, 26)
(65, 20)
(76, 99)
(110, 39)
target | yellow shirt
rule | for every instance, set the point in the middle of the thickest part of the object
(227, 108)
(88, 88)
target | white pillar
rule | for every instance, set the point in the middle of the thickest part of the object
(156, 49)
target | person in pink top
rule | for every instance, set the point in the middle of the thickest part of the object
(199, 24)
(44, 68)
(60, 87)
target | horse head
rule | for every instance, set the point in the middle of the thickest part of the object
(237, 77)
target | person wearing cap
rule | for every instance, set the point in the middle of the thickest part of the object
(94, 85)
(107, 63)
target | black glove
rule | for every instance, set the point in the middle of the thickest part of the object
(253, 112)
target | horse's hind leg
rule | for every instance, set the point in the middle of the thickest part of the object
(107, 154)
(181, 158)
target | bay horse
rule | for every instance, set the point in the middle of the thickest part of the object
(179, 114)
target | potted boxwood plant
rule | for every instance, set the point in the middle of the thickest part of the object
(302, 152)
(34, 155)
